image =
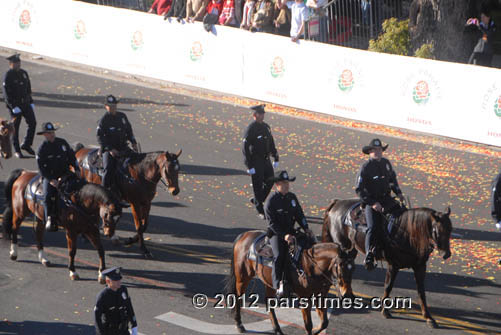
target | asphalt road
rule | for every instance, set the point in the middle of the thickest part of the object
(190, 235)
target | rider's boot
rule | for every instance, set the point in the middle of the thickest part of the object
(369, 261)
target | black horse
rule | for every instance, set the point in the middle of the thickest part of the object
(413, 236)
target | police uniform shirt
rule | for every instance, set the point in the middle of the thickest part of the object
(54, 159)
(114, 131)
(375, 181)
(112, 310)
(17, 88)
(258, 142)
(282, 211)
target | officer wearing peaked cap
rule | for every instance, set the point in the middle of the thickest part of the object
(113, 311)
(376, 179)
(17, 94)
(282, 210)
(258, 145)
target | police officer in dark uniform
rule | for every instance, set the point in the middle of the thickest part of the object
(257, 147)
(17, 95)
(496, 203)
(113, 311)
(54, 158)
(376, 179)
(113, 132)
(282, 210)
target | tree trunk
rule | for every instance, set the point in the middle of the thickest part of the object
(443, 23)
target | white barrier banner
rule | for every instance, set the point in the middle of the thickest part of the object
(448, 99)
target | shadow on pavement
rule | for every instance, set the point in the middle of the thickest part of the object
(43, 328)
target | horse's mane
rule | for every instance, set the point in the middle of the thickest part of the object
(97, 192)
(417, 224)
(143, 161)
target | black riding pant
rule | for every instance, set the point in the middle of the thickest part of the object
(260, 180)
(279, 248)
(110, 167)
(375, 221)
(49, 200)
(31, 122)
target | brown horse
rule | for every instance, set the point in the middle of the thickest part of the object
(146, 170)
(413, 235)
(91, 202)
(322, 264)
(6, 131)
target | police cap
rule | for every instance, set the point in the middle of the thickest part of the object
(258, 109)
(113, 273)
(111, 100)
(15, 58)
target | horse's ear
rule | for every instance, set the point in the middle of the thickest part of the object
(179, 152)
(448, 211)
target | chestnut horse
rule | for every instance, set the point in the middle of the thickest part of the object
(6, 131)
(322, 264)
(90, 203)
(146, 170)
(413, 235)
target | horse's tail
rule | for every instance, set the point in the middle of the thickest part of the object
(78, 146)
(230, 283)
(326, 236)
(9, 211)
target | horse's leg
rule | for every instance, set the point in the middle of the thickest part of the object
(72, 251)
(95, 240)
(241, 286)
(324, 320)
(308, 324)
(145, 213)
(419, 275)
(16, 223)
(39, 232)
(391, 275)
(270, 293)
(137, 223)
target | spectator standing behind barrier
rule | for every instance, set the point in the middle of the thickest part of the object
(227, 17)
(282, 20)
(195, 9)
(483, 52)
(247, 14)
(239, 6)
(262, 16)
(299, 14)
(318, 8)
(177, 10)
(161, 7)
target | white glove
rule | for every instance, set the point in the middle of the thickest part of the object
(251, 171)
(498, 225)
(275, 165)
(16, 110)
(33, 107)
(134, 331)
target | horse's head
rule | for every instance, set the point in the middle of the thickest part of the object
(169, 169)
(6, 131)
(441, 229)
(110, 214)
(341, 268)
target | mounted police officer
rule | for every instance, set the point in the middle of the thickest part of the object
(376, 179)
(282, 210)
(54, 158)
(113, 311)
(257, 147)
(113, 132)
(17, 95)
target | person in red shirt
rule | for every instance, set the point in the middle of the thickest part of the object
(161, 6)
(215, 7)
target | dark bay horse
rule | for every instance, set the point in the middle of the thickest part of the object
(146, 170)
(92, 202)
(323, 264)
(6, 131)
(414, 234)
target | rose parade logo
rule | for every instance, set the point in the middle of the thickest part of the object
(137, 41)
(196, 51)
(497, 107)
(346, 82)
(25, 19)
(277, 67)
(80, 30)
(421, 93)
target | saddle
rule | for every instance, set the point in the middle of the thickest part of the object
(69, 184)
(355, 218)
(94, 163)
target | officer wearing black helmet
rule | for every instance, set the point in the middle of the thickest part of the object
(113, 132)
(17, 95)
(258, 145)
(113, 311)
(376, 179)
(282, 210)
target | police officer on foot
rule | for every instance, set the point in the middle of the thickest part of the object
(376, 179)
(113, 311)
(17, 95)
(496, 203)
(257, 147)
(54, 158)
(282, 210)
(113, 132)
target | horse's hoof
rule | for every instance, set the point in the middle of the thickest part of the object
(148, 255)
(101, 280)
(386, 313)
(432, 323)
(74, 276)
(13, 257)
(241, 329)
(115, 241)
(46, 263)
(128, 242)
(279, 332)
